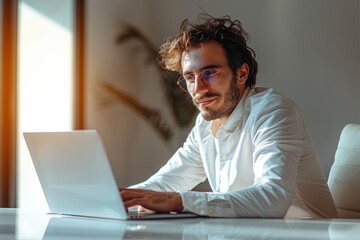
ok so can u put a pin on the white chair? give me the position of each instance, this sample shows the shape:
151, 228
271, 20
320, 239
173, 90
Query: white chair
344, 177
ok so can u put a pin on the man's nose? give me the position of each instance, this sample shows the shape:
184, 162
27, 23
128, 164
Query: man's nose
200, 85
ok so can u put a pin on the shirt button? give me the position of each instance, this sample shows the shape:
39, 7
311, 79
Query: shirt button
224, 157
211, 211
193, 207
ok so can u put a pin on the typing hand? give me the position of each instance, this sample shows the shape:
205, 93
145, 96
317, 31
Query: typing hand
164, 202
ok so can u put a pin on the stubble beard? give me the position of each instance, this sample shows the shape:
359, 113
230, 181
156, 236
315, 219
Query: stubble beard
231, 99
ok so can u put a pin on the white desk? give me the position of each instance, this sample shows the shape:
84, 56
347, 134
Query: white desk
17, 224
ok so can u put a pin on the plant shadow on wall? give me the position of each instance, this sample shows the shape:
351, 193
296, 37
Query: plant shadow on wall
180, 102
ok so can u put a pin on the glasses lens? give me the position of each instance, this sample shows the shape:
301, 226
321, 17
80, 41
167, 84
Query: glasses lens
209, 75
182, 84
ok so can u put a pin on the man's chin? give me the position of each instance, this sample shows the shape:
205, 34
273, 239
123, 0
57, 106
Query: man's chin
208, 116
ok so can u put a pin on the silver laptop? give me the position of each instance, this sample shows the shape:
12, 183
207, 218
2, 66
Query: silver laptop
76, 176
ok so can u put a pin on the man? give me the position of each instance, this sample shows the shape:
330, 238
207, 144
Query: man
250, 143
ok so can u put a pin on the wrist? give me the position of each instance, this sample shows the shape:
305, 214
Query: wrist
179, 207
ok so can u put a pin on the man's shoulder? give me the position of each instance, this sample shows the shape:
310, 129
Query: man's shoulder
261, 100
264, 93
264, 96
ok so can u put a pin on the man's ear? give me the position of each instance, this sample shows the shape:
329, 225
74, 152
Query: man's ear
242, 74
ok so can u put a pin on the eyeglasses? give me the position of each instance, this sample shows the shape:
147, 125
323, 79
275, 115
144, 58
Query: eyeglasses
209, 76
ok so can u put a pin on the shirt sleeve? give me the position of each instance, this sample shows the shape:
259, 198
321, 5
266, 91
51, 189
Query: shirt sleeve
277, 139
182, 172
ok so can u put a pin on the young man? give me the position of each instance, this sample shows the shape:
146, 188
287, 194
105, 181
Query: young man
250, 143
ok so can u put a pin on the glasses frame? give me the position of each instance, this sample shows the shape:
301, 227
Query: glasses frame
203, 78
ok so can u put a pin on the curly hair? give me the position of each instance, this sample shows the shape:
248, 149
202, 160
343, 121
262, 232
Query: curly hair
229, 34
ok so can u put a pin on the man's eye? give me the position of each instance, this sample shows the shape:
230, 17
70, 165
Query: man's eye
209, 73
189, 79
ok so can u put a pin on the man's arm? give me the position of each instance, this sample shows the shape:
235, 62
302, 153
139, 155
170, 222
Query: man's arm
182, 172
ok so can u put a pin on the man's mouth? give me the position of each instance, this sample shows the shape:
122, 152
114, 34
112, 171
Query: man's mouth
203, 102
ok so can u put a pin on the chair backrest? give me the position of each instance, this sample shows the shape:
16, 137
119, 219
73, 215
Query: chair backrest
344, 177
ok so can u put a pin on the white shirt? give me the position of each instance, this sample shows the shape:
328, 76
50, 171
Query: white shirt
262, 163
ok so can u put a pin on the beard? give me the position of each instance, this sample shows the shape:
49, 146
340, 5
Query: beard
230, 99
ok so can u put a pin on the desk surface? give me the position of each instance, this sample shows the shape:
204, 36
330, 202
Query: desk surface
20, 224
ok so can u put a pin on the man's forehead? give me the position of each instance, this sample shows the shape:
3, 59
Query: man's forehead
210, 53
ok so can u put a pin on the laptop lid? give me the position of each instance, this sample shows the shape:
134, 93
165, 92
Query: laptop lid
75, 173
76, 176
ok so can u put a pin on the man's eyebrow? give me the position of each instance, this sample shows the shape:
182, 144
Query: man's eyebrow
203, 68
210, 66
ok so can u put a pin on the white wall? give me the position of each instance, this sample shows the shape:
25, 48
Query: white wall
134, 148
307, 50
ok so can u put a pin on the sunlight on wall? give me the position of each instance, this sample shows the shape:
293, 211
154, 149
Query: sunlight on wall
45, 92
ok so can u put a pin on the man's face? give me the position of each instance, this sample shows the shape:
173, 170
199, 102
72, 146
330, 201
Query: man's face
215, 99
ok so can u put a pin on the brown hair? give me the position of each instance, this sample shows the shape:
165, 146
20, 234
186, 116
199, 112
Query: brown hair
229, 34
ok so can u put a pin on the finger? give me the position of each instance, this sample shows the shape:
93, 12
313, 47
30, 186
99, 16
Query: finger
132, 202
144, 200
128, 195
142, 209
136, 193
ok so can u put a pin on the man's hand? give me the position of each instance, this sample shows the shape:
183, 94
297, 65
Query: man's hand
157, 201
